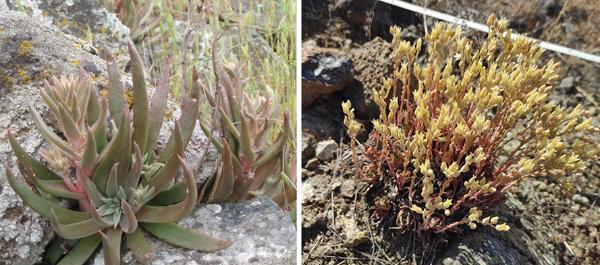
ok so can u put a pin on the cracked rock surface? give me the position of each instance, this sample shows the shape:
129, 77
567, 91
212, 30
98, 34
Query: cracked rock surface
261, 232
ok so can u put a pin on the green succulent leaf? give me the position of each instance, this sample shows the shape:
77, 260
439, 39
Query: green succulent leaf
185, 237
109, 155
41, 205
75, 230
57, 188
219, 146
224, 182
140, 96
116, 92
112, 185
174, 212
174, 194
82, 251
47, 132
88, 159
157, 109
92, 192
38, 169
187, 121
128, 222
99, 126
111, 242
140, 247
167, 173
136, 171
97, 216
246, 141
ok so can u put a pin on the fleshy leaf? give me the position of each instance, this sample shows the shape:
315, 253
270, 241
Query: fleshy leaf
116, 92
41, 205
89, 154
175, 212
82, 251
47, 133
39, 169
224, 182
174, 194
111, 243
171, 168
185, 237
158, 106
112, 187
187, 121
101, 221
140, 96
109, 155
75, 230
140, 247
128, 222
134, 174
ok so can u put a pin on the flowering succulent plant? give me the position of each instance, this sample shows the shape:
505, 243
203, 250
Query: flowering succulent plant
455, 133
252, 164
122, 185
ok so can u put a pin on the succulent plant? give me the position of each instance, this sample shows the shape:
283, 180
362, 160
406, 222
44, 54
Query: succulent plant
252, 165
455, 133
122, 184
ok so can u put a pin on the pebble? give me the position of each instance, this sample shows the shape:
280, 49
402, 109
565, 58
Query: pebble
579, 221
581, 199
325, 150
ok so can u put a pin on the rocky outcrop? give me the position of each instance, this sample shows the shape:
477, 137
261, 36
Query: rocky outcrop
85, 19
261, 232
29, 53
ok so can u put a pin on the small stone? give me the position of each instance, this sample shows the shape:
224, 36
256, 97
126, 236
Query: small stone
325, 150
579, 221
312, 164
308, 149
214, 208
347, 188
581, 199
567, 82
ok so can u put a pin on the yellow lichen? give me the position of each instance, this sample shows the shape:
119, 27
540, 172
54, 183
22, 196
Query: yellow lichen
23, 76
25, 48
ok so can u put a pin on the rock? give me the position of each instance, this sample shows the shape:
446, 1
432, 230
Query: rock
579, 221
325, 150
312, 164
354, 236
29, 53
261, 232
84, 19
567, 82
324, 72
581, 199
481, 248
3, 6
347, 188
308, 149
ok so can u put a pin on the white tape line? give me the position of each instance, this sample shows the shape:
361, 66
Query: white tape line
481, 27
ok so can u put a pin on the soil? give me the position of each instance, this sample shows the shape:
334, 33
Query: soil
338, 227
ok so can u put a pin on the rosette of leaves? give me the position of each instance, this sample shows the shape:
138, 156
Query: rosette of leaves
456, 132
253, 164
121, 184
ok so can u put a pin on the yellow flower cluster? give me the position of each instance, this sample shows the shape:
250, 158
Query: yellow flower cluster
441, 138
